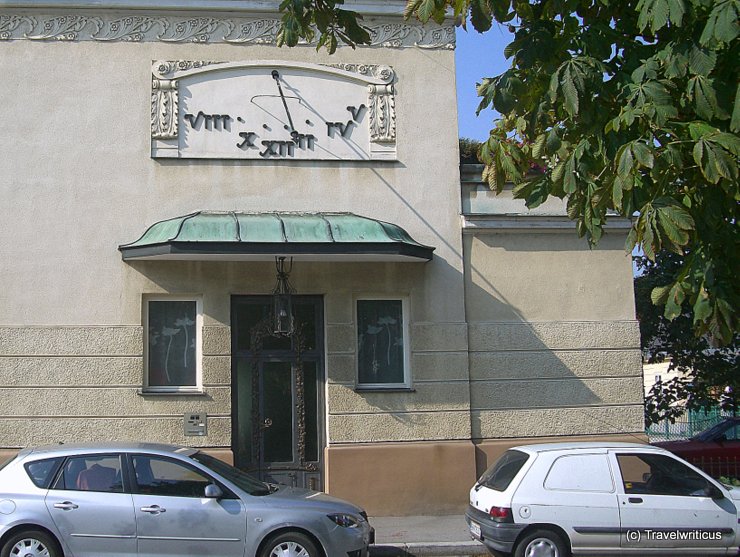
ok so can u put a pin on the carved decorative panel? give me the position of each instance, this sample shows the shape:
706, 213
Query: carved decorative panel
200, 29
272, 110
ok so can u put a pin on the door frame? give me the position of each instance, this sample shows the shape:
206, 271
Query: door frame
317, 354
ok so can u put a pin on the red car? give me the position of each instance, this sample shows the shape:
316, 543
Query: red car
715, 450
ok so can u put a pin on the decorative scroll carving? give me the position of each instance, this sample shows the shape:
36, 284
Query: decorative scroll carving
439, 37
132, 28
165, 69
63, 28
393, 35
136, 28
399, 35
259, 31
382, 111
194, 30
11, 25
164, 109
384, 73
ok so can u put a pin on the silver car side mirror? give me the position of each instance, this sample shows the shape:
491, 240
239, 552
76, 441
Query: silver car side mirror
213, 492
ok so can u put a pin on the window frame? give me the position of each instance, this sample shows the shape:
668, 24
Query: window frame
59, 474
182, 389
50, 480
406, 385
562, 460
643, 491
134, 489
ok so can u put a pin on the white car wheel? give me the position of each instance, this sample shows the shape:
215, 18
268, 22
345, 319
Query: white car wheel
290, 544
541, 547
541, 543
289, 549
31, 543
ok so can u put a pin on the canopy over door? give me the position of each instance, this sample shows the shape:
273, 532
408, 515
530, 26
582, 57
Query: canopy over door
241, 236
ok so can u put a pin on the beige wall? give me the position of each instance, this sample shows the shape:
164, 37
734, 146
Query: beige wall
77, 180
554, 348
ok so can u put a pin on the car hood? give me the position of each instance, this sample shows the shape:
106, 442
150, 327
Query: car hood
306, 498
734, 493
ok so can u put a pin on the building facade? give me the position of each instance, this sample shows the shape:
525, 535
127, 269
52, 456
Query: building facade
159, 158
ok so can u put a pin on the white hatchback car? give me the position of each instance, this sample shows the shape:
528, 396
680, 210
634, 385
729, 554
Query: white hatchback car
552, 500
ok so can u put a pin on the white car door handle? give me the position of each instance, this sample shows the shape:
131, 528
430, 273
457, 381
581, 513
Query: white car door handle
66, 506
154, 509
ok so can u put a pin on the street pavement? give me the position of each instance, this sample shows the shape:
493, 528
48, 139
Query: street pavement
423, 536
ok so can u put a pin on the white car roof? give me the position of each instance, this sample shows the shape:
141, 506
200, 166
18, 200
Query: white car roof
584, 446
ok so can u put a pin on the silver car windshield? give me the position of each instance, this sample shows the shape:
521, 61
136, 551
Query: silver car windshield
234, 475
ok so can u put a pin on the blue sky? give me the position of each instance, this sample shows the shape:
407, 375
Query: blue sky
477, 55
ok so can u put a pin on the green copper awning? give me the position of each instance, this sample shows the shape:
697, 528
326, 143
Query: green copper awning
238, 236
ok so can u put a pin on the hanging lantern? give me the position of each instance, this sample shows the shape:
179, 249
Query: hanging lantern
282, 303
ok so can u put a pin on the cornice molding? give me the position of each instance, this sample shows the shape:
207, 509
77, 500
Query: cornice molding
472, 224
389, 8
141, 27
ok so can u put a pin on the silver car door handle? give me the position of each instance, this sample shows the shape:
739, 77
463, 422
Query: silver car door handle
66, 506
154, 509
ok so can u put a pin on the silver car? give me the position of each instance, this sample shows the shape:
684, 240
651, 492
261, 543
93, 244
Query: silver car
148, 499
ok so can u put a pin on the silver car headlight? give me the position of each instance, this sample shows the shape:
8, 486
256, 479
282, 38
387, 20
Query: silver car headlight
344, 520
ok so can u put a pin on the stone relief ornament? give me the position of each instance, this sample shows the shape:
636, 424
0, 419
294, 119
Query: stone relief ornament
164, 108
384, 73
365, 107
436, 37
382, 111
166, 28
132, 28
194, 30
165, 69
13, 25
63, 28
260, 31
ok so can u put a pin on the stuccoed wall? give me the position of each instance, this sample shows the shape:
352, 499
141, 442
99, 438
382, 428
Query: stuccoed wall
554, 344
77, 180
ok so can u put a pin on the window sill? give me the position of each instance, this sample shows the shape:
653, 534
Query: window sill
381, 389
147, 392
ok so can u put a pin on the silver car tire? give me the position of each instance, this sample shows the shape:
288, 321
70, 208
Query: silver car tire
290, 544
31, 543
541, 543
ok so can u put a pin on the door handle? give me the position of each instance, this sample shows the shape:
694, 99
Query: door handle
66, 506
635, 499
154, 509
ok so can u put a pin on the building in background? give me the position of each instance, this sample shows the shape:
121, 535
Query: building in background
160, 158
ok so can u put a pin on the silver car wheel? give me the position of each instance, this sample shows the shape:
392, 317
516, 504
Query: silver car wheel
541, 547
29, 547
289, 549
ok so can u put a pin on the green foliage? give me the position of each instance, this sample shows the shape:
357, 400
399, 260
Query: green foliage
632, 107
302, 19
469, 150
705, 372
727, 480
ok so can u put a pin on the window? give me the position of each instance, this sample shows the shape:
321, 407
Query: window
162, 476
41, 472
382, 339
234, 475
172, 349
91, 473
502, 472
652, 474
593, 474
